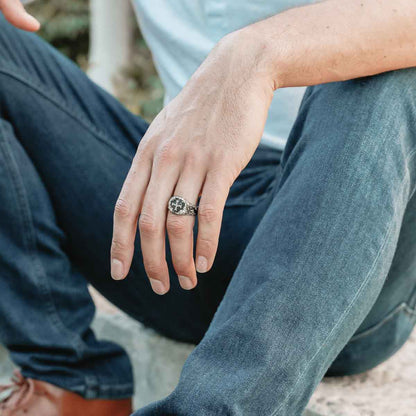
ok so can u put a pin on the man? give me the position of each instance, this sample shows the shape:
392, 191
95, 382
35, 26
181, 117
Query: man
308, 252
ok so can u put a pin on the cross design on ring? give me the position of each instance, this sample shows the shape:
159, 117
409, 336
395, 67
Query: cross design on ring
180, 206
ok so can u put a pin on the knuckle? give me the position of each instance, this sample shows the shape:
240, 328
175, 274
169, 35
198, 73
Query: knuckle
148, 225
118, 248
122, 208
143, 150
166, 153
181, 268
194, 159
153, 270
221, 177
177, 226
206, 245
208, 213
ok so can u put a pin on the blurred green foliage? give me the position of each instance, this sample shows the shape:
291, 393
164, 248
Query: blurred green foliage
65, 24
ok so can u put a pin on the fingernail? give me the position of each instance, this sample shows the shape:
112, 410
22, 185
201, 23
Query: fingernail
117, 272
201, 264
158, 287
186, 282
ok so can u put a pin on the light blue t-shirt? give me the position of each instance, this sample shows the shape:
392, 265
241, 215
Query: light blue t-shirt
181, 33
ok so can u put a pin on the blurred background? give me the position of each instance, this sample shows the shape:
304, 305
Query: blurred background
67, 26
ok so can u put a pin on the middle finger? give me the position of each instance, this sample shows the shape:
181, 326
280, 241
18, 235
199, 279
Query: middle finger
152, 222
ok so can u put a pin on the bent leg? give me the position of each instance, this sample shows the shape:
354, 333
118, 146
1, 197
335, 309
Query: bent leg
45, 306
318, 260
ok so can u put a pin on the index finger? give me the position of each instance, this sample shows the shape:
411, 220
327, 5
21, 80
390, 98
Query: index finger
126, 214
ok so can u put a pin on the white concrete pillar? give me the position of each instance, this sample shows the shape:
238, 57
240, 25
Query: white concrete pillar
111, 39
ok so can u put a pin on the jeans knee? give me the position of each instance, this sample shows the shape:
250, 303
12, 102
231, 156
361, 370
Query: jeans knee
396, 82
374, 114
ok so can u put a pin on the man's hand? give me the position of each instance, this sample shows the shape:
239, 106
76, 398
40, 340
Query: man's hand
16, 14
196, 146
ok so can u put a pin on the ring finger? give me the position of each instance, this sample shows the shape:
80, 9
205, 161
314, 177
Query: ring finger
180, 229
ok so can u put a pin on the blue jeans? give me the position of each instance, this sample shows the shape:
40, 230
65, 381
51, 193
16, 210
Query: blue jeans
315, 271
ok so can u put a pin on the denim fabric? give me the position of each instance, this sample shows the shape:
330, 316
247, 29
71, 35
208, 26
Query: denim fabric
315, 270
327, 281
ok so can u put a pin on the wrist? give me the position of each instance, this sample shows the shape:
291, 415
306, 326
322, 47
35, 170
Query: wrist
257, 55
248, 56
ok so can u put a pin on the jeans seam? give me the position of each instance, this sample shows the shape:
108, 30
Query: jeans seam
408, 159
409, 310
60, 103
403, 306
412, 299
91, 386
339, 322
30, 241
94, 389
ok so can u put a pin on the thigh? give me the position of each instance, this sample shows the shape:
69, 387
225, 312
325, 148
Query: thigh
81, 141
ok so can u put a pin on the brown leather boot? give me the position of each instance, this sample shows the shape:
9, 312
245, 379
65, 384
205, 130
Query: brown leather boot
30, 397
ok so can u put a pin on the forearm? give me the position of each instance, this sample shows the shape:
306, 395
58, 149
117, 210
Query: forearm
334, 40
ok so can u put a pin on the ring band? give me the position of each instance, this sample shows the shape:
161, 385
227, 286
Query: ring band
180, 206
